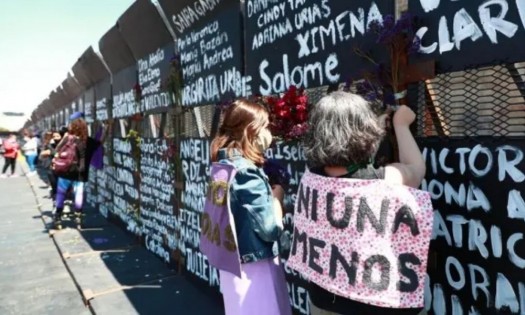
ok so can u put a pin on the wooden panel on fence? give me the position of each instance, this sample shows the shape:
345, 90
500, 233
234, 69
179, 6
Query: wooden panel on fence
62, 96
210, 45
152, 46
125, 101
454, 33
81, 74
291, 156
126, 207
71, 88
115, 50
105, 179
47, 107
153, 72
91, 66
59, 98
158, 211
91, 190
195, 165
477, 256
103, 99
309, 43
54, 100
89, 105
143, 29
191, 14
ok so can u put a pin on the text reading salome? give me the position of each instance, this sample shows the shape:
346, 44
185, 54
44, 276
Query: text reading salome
301, 75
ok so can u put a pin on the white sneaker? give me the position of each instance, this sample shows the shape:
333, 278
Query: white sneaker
33, 173
14, 175
4, 176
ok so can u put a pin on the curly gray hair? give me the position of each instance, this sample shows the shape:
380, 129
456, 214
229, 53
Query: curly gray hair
343, 130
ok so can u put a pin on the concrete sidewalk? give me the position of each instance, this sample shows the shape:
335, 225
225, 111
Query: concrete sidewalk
97, 270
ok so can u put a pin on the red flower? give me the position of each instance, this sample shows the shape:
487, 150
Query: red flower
289, 113
301, 116
302, 99
283, 113
300, 107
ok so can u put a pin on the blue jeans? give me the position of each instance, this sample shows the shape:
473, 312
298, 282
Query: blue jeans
31, 159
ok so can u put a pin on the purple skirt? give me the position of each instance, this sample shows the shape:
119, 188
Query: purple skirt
260, 291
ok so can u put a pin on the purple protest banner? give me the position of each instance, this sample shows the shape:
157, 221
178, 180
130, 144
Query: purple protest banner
97, 160
218, 239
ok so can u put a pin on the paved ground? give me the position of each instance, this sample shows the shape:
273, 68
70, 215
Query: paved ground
98, 270
33, 279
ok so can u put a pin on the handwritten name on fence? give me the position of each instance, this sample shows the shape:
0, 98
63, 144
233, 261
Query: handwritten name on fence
308, 43
125, 190
478, 226
125, 98
195, 162
211, 57
153, 72
452, 32
157, 197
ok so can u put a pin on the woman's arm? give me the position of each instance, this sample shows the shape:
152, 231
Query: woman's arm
411, 169
252, 193
278, 197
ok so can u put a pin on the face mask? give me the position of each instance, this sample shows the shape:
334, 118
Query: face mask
264, 139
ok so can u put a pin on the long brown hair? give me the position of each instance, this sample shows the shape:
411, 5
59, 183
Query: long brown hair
243, 121
78, 127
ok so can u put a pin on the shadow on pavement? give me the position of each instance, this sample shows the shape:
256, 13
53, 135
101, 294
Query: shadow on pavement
114, 272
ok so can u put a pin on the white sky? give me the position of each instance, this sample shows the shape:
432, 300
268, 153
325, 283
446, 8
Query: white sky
40, 40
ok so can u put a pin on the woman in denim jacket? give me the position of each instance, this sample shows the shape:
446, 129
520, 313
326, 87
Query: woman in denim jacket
256, 207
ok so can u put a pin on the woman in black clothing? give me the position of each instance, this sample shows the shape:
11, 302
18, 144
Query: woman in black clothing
343, 138
46, 156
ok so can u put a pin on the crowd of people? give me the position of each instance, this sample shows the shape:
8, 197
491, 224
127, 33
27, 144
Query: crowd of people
343, 138
63, 156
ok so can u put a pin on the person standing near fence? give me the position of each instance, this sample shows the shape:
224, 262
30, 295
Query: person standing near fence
11, 148
47, 154
71, 166
343, 138
30, 149
254, 282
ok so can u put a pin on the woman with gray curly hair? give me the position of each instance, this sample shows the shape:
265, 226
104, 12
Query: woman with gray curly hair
343, 138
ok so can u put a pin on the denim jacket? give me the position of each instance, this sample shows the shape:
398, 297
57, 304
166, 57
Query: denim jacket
251, 203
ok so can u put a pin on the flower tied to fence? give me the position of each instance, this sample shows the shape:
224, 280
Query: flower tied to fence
134, 139
137, 92
385, 87
175, 81
386, 84
288, 114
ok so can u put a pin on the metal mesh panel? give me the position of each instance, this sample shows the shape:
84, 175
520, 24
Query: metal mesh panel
486, 101
207, 117
169, 128
315, 94
190, 126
